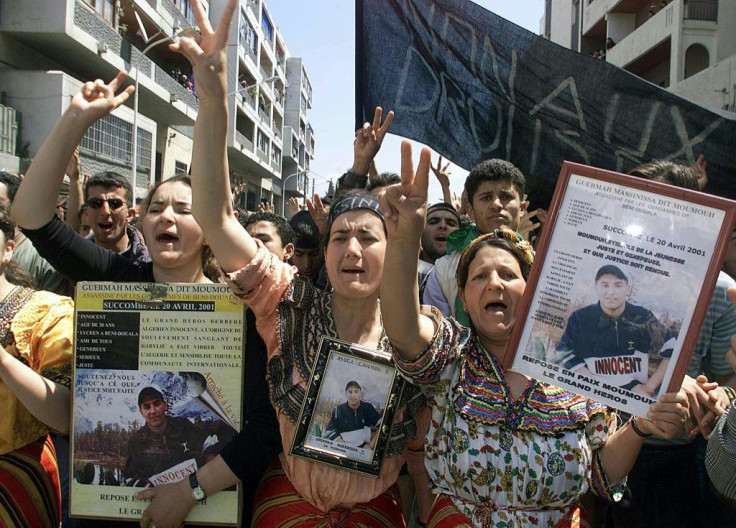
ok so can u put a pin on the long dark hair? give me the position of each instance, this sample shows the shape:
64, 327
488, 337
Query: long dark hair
12, 271
209, 265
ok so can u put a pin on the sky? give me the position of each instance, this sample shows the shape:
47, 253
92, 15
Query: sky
322, 32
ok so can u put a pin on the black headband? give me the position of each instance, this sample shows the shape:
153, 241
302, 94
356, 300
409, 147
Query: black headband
352, 203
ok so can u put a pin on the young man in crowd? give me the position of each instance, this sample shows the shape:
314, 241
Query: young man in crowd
107, 196
495, 191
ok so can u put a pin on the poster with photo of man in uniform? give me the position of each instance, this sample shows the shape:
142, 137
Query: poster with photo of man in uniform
619, 287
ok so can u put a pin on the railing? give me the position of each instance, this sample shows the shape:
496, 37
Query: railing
252, 54
167, 81
248, 99
245, 143
701, 10
262, 155
8, 130
264, 116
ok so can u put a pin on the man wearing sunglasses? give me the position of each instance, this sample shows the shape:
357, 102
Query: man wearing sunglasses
109, 211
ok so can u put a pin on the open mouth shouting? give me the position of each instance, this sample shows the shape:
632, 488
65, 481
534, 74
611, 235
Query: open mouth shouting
167, 238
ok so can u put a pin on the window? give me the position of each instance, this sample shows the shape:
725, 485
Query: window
180, 167
145, 140
276, 155
185, 8
262, 142
112, 137
267, 27
248, 37
106, 8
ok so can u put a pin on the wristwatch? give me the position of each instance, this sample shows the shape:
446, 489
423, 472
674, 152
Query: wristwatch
198, 493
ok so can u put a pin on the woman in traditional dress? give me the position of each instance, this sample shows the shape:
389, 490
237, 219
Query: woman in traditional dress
292, 315
503, 449
35, 367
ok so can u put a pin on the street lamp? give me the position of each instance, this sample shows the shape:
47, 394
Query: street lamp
142, 31
283, 187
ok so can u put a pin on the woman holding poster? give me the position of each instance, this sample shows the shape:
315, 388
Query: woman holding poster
503, 449
35, 369
292, 315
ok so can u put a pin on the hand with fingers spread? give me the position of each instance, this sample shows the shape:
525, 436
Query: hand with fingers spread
441, 173
319, 213
206, 52
699, 170
405, 205
97, 99
528, 225
265, 207
368, 141
294, 206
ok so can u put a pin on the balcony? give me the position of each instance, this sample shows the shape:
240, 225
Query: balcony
245, 143
264, 116
276, 165
701, 10
248, 99
173, 87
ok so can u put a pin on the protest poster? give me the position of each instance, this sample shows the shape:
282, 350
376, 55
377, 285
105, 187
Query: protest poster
619, 287
157, 392
349, 409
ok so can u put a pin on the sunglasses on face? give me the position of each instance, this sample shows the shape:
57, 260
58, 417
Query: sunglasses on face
114, 203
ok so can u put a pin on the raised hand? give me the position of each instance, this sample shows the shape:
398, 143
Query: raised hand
405, 204
206, 52
319, 213
96, 99
294, 206
441, 173
368, 141
699, 170
265, 207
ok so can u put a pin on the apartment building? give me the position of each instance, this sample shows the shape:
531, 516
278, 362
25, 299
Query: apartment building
264, 151
48, 48
686, 46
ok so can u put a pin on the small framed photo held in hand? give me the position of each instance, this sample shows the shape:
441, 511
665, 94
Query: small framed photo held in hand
619, 288
347, 415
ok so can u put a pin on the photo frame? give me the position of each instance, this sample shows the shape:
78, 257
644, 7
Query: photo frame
332, 428
621, 281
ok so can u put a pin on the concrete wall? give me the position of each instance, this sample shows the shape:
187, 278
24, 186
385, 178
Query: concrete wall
713, 87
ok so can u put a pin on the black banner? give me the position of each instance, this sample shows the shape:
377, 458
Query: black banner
474, 86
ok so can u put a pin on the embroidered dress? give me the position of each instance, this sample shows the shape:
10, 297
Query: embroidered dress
292, 316
36, 328
505, 463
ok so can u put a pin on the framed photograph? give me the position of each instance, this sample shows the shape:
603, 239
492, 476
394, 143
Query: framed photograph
156, 393
621, 281
349, 409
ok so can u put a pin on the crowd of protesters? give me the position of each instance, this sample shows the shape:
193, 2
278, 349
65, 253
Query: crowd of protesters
435, 286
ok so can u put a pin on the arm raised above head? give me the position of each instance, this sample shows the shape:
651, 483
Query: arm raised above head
35, 202
211, 198
405, 207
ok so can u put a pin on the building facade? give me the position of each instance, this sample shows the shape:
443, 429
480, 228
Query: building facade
686, 46
261, 144
48, 48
